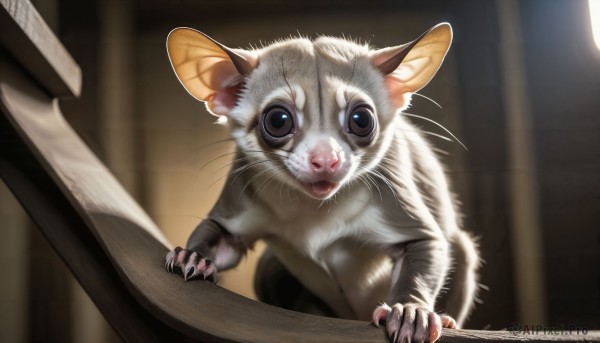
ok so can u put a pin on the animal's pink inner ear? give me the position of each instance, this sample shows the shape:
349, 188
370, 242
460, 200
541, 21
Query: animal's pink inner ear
223, 101
395, 91
208, 70
409, 67
389, 62
224, 81
398, 82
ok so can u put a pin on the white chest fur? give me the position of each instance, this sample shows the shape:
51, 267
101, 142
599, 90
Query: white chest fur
336, 249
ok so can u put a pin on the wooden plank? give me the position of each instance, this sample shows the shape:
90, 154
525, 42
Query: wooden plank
123, 236
25, 35
69, 235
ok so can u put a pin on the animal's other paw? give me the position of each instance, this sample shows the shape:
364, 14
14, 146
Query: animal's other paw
411, 323
190, 264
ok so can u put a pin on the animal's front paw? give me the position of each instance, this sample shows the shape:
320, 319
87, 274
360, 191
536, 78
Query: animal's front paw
411, 322
191, 264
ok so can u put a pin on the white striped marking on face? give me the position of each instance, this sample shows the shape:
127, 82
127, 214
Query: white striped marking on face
294, 94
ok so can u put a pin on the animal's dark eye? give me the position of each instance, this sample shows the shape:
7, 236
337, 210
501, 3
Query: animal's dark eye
278, 122
361, 121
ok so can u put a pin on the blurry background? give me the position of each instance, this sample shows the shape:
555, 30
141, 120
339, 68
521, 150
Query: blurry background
520, 87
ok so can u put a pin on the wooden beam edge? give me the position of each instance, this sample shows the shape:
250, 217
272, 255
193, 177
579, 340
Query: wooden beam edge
25, 34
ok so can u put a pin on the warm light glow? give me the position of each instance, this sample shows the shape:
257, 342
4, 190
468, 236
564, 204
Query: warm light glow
595, 20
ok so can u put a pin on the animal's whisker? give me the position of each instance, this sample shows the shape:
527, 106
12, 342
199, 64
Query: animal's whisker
428, 133
436, 123
366, 178
257, 175
245, 167
239, 159
236, 152
263, 152
221, 141
238, 171
387, 182
235, 161
428, 98
421, 146
199, 151
215, 159
279, 170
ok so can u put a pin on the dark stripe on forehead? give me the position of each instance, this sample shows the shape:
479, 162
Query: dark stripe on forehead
319, 92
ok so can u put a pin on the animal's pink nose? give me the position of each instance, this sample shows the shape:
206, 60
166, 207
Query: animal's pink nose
324, 161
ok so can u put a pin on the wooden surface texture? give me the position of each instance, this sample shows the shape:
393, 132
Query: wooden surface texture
27, 37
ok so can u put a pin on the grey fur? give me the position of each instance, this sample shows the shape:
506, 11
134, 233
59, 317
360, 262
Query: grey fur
391, 231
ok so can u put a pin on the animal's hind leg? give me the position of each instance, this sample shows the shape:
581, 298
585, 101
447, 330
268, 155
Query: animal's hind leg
463, 284
275, 285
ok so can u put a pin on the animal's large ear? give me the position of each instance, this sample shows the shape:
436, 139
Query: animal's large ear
208, 70
409, 67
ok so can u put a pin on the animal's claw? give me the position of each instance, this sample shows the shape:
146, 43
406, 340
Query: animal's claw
411, 322
190, 264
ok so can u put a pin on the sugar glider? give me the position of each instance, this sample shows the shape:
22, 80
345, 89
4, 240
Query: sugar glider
347, 193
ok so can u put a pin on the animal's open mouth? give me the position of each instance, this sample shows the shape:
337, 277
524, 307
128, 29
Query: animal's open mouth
321, 188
